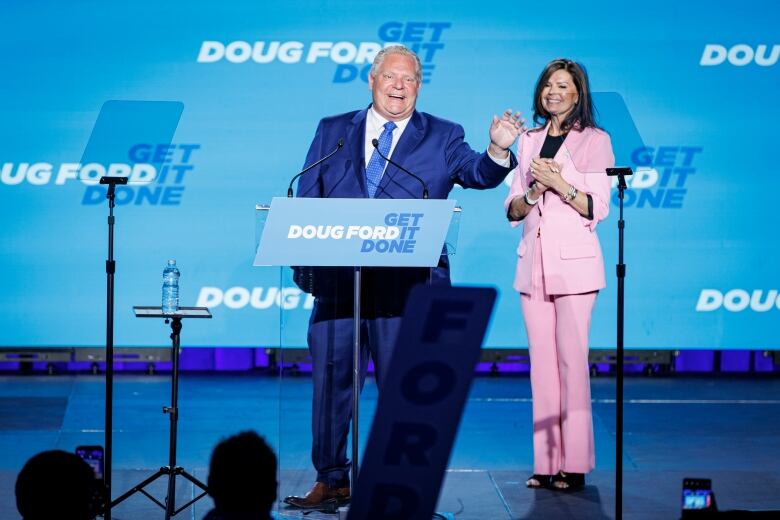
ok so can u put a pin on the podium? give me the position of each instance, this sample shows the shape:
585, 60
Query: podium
353, 234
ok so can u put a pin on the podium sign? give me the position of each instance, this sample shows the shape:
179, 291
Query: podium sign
356, 232
421, 402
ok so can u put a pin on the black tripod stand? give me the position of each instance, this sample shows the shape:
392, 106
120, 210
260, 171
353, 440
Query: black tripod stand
171, 470
621, 174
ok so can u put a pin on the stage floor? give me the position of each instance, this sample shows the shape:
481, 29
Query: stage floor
726, 429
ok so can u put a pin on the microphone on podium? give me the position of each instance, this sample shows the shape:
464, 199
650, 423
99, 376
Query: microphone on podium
339, 145
375, 144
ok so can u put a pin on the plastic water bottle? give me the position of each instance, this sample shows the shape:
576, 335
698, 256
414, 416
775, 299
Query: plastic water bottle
170, 288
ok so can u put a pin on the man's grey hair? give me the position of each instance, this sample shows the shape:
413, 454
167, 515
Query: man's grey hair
396, 49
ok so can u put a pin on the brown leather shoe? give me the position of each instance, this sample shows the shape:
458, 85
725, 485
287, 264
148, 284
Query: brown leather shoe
321, 496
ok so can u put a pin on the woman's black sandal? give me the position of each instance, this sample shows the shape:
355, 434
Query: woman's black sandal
543, 480
570, 481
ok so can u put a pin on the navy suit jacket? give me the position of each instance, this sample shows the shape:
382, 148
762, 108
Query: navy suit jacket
430, 147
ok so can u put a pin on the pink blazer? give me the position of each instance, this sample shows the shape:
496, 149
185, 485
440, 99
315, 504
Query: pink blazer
571, 254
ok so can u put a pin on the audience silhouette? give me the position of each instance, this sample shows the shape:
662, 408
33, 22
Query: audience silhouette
242, 478
242, 482
57, 484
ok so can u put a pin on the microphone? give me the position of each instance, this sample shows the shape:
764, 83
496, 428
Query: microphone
339, 145
375, 144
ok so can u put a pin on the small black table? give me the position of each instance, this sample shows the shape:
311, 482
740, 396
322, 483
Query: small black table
171, 470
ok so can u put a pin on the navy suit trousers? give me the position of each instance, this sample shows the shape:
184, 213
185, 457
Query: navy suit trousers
331, 346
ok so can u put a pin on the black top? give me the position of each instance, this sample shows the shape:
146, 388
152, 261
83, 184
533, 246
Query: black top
552, 143
550, 147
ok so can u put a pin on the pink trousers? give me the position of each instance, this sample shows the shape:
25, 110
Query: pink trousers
558, 327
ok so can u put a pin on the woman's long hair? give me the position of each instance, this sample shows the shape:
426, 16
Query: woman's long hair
582, 114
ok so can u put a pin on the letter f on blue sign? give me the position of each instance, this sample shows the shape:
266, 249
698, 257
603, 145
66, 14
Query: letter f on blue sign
448, 317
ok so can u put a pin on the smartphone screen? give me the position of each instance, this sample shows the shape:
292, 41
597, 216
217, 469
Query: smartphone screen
93, 455
696, 494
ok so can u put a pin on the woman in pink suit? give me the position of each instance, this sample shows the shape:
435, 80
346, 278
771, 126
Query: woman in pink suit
560, 192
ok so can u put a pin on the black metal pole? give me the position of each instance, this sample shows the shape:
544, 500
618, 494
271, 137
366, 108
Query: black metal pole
110, 270
355, 378
111, 183
173, 412
621, 274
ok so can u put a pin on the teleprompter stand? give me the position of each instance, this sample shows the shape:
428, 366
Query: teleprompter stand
112, 183
620, 271
120, 126
171, 470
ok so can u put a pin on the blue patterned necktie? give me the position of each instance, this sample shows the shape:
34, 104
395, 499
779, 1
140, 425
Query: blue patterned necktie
376, 166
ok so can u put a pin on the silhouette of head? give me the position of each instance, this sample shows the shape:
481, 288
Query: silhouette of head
57, 484
242, 475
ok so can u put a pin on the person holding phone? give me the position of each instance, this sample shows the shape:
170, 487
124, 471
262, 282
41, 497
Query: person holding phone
560, 191
58, 484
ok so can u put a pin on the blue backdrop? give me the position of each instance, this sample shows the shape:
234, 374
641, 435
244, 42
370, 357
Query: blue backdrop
698, 83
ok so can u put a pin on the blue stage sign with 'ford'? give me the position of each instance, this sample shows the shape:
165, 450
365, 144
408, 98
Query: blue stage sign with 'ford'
354, 232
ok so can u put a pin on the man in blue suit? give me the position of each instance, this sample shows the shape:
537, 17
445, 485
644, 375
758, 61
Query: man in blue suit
433, 149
